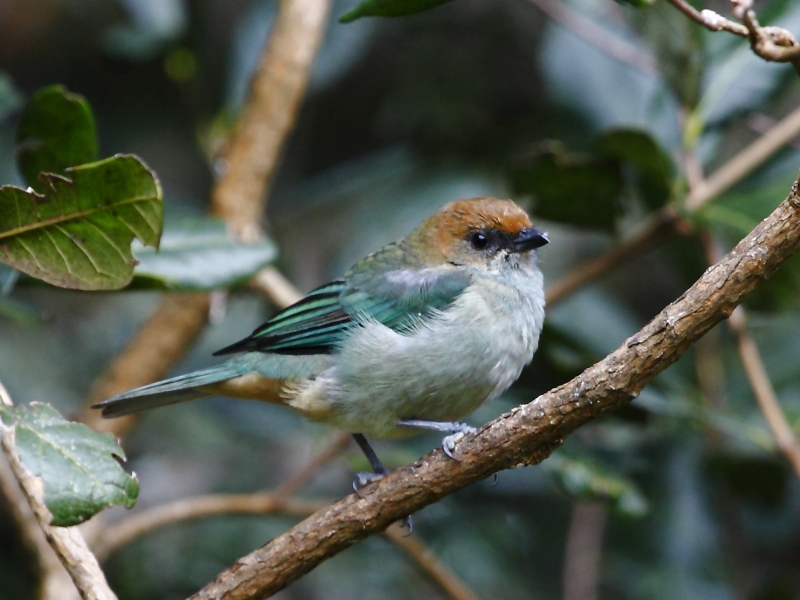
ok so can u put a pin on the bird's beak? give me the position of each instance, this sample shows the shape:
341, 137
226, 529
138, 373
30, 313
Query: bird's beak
529, 238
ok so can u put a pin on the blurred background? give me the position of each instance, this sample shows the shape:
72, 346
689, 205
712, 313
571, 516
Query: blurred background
681, 495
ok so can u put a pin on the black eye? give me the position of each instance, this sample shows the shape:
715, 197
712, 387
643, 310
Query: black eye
479, 240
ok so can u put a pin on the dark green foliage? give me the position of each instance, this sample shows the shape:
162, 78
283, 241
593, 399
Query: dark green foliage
56, 131
79, 468
569, 188
388, 8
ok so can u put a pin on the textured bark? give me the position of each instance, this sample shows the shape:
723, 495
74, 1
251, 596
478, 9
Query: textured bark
529, 433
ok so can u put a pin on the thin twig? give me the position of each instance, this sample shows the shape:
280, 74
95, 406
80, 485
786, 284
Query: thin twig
584, 550
67, 542
529, 433
426, 560
745, 162
53, 581
5, 398
271, 284
661, 223
238, 195
198, 507
658, 227
338, 445
597, 36
763, 390
709, 19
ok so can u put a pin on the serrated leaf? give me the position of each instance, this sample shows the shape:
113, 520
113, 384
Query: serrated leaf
78, 467
652, 167
388, 8
56, 131
200, 254
77, 234
570, 188
585, 480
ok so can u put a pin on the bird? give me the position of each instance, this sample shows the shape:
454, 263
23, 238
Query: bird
413, 337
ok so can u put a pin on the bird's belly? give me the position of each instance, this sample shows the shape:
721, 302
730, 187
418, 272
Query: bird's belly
440, 372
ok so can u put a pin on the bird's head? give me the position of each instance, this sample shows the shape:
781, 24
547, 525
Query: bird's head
482, 232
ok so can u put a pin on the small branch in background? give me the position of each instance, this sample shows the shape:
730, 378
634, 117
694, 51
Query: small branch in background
160, 343
667, 220
709, 19
238, 196
763, 389
338, 445
587, 29
757, 375
53, 581
67, 542
774, 44
584, 550
761, 124
5, 398
198, 507
427, 561
745, 162
251, 158
660, 226
278, 290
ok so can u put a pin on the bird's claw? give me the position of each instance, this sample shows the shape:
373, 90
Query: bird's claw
408, 523
449, 443
364, 479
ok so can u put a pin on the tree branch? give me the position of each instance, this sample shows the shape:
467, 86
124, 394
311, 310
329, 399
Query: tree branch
238, 197
529, 433
67, 542
763, 390
774, 44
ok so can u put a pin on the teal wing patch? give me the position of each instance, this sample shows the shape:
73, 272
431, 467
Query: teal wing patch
398, 299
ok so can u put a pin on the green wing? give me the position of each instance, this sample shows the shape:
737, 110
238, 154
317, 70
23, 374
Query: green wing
397, 298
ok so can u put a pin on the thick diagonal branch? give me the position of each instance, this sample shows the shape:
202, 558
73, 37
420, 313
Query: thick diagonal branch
529, 433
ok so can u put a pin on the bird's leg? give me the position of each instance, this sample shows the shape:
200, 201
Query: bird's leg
380, 471
362, 479
456, 430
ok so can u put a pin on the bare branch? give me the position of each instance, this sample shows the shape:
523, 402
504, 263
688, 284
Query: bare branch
597, 36
763, 390
745, 162
198, 507
238, 196
584, 550
67, 542
426, 560
774, 44
529, 433
709, 19
665, 222
660, 226
276, 91
271, 284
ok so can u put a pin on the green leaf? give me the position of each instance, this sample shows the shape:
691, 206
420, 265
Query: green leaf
570, 188
651, 166
77, 234
585, 480
56, 131
389, 8
78, 467
200, 254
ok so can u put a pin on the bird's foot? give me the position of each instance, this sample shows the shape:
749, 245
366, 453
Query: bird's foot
363, 479
449, 443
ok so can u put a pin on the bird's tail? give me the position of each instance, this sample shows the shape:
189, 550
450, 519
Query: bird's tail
170, 391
